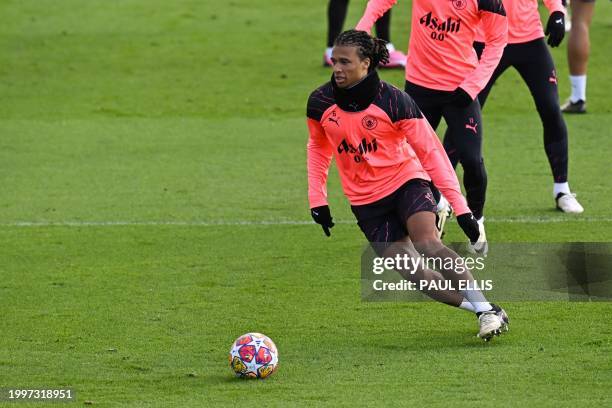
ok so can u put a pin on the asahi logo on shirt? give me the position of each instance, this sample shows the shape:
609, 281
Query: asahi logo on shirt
359, 150
440, 27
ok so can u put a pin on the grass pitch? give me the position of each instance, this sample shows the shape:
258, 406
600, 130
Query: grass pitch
152, 166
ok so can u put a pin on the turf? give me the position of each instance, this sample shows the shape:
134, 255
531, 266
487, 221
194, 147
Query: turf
152, 164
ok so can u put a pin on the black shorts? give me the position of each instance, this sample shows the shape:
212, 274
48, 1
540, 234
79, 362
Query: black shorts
385, 220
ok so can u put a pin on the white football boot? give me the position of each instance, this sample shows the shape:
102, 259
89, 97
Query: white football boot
568, 203
490, 325
443, 212
481, 246
503, 316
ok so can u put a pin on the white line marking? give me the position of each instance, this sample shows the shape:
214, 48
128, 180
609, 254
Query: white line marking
214, 223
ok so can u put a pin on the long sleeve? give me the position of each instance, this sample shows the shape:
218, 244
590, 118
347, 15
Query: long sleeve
494, 25
434, 160
374, 10
554, 5
319, 156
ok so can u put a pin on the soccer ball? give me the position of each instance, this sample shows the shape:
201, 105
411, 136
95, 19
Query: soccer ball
253, 355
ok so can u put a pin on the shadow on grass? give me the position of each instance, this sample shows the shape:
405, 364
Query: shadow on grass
229, 379
436, 341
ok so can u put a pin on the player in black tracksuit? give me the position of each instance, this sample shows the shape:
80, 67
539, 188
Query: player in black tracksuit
533, 61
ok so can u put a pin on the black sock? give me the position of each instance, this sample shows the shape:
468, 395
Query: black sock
475, 183
555, 145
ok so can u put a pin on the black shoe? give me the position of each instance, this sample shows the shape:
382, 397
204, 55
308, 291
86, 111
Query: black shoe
574, 107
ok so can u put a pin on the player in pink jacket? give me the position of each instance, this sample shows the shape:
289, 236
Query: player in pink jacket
527, 53
387, 154
444, 75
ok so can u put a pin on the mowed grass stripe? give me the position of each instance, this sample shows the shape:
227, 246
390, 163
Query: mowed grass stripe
231, 223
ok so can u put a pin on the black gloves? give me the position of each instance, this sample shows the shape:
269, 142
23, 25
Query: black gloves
460, 98
555, 28
475, 232
322, 216
469, 225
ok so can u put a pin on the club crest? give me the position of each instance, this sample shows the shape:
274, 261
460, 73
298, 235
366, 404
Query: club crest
459, 4
369, 122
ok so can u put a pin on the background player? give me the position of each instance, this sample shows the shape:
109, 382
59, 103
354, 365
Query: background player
336, 14
386, 153
444, 75
578, 49
527, 53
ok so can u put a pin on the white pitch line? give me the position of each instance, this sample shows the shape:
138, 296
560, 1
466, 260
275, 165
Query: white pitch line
214, 223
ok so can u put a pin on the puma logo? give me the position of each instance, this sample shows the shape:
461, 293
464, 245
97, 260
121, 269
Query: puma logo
472, 127
336, 121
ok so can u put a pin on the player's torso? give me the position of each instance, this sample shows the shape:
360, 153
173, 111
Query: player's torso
443, 24
523, 20
441, 39
363, 140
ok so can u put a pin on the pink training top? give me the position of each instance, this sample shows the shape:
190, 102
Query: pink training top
524, 19
377, 149
441, 54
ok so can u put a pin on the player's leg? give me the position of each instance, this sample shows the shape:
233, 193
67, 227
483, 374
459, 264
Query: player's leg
538, 71
397, 59
387, 234
383, 26
430, 103
492, 319
336, 14
504, 63
578, 49
465, 131
449, 145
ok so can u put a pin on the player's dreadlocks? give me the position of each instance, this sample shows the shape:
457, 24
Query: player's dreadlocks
367, 47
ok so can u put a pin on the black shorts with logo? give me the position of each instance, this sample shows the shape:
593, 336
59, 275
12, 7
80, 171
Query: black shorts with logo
385, 220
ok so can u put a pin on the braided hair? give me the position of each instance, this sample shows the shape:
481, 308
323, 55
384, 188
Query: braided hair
367, 46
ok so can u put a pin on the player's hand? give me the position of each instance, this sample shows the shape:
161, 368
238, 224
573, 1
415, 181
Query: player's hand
469, 225
460, 98
478, 240
322, 216
555, 28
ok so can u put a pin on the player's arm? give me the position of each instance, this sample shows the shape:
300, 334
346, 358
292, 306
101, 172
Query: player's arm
495, 27
374, 10
319, 155
555, 27
433, 158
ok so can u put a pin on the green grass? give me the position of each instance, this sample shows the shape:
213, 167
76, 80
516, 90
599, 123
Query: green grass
128, 129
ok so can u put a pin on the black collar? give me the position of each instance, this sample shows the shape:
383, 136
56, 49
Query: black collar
359, 96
